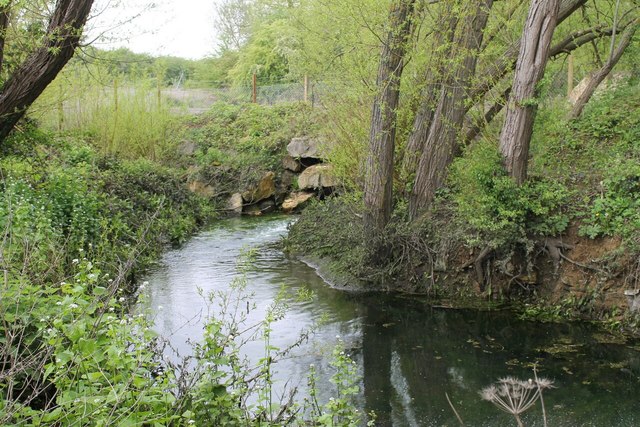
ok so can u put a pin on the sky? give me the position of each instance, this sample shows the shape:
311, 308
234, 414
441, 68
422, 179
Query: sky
184, 28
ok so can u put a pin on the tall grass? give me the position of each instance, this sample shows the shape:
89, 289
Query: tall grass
128, 117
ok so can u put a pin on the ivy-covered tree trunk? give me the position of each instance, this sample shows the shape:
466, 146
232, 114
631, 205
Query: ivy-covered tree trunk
378, 186
442, 142
32, 77
521, 108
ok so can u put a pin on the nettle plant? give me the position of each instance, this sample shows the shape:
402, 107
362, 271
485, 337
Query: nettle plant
76, 356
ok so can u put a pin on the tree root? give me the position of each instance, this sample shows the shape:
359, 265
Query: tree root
477, 265
554, 248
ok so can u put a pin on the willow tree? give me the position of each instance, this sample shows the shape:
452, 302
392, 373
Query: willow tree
441, 141
599, 75
378, 188
444, 147
51, 53
530, 66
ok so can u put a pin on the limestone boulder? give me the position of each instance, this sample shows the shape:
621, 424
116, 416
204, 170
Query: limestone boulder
296, 201
291, 164
317, 177
265, 189
305, 147
235, 203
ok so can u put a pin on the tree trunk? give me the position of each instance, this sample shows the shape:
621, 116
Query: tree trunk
40, 68
441, 145
4, 23
429, 96
602, 73
506, 63
521, 109
566, 46
378, 188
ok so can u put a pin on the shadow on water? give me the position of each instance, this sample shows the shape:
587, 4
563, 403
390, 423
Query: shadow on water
409, 354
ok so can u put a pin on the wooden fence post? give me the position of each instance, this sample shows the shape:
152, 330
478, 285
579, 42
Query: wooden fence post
255, 88
570, 76
60, 109
306, 88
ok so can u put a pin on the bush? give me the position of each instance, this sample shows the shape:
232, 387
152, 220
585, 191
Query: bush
616, 210
498, 211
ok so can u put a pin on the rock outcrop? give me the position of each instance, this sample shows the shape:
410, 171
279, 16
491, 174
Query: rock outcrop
291, 164
296, 201
302, 168
235, 203
317, 177
265, 189
305, 147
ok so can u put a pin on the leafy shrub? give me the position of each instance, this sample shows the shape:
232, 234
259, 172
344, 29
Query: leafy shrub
496, 209
237, 144
333, 230
616, 210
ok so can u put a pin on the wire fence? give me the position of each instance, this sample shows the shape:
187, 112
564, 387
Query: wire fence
199, 100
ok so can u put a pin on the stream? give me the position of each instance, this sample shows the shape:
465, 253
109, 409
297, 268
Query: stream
407, 353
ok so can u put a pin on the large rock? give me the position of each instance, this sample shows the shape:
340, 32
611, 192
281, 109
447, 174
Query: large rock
266, 188
291, 164
296, 201
235, 204
317, 177
305, 147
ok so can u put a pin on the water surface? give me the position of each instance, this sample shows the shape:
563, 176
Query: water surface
408, 354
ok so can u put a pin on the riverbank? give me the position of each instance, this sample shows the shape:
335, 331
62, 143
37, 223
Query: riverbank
564, 246
81, 223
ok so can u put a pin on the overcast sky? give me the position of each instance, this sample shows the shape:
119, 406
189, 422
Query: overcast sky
184, 28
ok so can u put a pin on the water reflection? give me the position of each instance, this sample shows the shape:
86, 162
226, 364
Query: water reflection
408, 354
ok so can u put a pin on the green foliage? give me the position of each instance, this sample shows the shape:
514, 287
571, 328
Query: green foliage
598, 156
340, 410
237, 144
496, 209
80, 201
570, 307
95, 358
343, 246
266, 54
616, 211
128, 117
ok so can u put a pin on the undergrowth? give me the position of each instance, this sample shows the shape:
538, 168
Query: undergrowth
77, 226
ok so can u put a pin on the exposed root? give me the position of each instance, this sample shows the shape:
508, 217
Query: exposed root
478, 266
554, 248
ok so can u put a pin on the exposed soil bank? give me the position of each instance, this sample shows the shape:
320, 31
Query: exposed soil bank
568, 277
